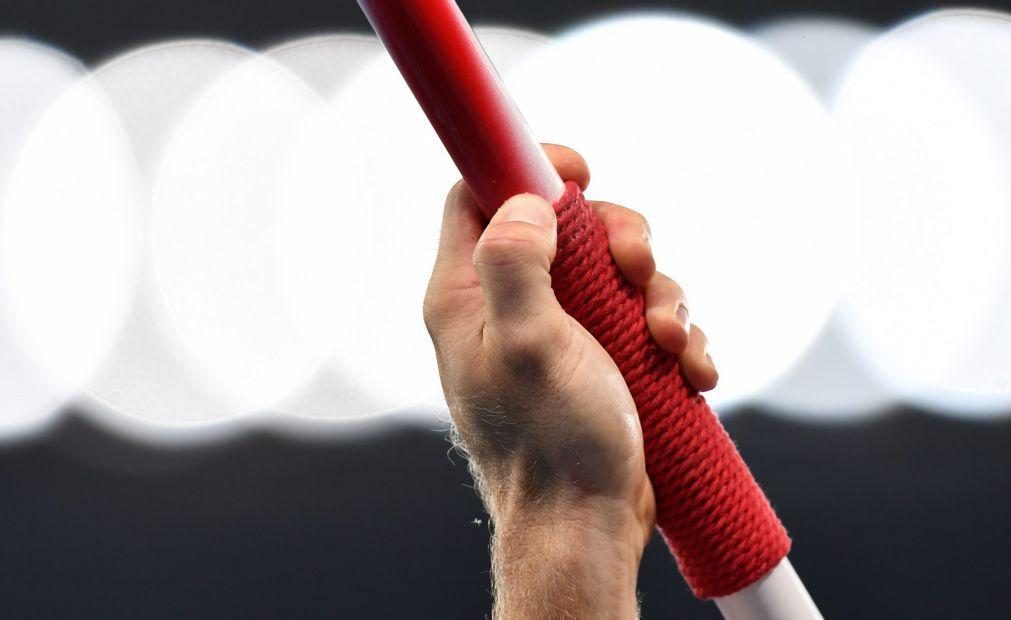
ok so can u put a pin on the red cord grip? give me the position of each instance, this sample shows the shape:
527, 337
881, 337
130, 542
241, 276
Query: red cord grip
710, 510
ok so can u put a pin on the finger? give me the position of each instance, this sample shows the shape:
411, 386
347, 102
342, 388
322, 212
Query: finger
628, 237
463, 221
667, 314
513, 258
454, 287
696, 363
462, 224
570, 165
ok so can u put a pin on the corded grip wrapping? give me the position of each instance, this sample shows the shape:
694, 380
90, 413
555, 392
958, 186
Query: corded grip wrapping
710, 510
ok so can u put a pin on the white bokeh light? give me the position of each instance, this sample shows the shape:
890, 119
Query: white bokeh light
732, 158
820, 48
327, 62
830, 382
32, 77
926, 116
375, 157
292, 205
69, 256
147, 376
320, 233
214, 237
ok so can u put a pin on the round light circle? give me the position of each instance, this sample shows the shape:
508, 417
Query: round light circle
32, 78
930, 137
730, 156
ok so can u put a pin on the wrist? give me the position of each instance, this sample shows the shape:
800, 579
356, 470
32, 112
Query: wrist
625, 514
570, 559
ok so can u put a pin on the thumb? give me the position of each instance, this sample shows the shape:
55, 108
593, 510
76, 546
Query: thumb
513, 259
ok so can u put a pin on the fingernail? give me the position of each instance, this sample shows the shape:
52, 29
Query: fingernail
528, 208
682, 316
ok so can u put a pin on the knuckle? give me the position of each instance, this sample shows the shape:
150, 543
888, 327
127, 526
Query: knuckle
457, 192
699, 335
669, 287
634, 218
441, 306
644, 223
432, 309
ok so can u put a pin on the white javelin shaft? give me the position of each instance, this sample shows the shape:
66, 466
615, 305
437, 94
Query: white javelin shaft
780, 595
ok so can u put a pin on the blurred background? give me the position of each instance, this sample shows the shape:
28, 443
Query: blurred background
216, 223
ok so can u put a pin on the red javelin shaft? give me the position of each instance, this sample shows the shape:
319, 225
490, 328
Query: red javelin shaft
450, 75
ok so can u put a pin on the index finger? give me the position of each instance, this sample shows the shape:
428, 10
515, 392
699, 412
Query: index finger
570, 165
463, 221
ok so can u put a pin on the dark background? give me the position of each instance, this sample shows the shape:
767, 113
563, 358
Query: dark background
94, 29
903, 516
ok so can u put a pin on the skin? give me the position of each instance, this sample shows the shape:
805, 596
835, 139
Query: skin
547, 421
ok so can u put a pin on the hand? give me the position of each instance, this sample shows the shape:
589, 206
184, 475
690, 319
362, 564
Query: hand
547, 420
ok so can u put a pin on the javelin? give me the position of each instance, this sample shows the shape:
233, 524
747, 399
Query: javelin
728, 542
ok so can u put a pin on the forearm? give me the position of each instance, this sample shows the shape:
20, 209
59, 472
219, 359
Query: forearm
566, 563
